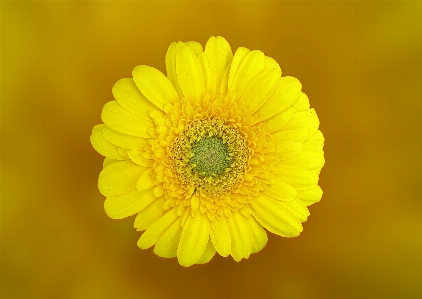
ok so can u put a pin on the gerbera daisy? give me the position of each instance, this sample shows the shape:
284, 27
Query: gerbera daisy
210, 156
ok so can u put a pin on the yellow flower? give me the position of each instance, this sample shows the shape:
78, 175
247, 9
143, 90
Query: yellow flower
210, 155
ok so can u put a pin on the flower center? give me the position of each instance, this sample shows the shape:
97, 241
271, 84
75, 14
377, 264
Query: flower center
204, 156
210, 156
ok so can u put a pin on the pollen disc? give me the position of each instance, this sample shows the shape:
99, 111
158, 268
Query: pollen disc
210, 156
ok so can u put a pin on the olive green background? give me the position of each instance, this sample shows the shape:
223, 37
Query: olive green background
360, 64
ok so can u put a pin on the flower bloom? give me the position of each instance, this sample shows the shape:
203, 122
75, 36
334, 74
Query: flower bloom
210, 156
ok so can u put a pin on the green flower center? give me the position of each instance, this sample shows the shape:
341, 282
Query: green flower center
210, 156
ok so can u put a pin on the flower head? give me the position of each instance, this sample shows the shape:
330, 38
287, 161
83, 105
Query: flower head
211, 155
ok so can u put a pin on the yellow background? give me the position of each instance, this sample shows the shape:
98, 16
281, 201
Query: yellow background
360, 64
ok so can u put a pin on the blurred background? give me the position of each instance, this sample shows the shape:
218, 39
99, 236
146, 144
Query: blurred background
360, 64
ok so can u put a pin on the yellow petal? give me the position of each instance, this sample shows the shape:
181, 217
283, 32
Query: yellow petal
302, 119
195, 47
171, 61
119, 178
288, 149
150, 214
154, 85
238, 58
101, 145
223, 89
108, 161
195, 200
308, 159
277, 122
298, 209
208, 254
314, 142
275, 217
159, 190
302, 103
145, 181
240, 236
138, 158
194, 240
209, 73
121, 120
280, 190
220, 54
270, 63
302, 125
299, 178
292, 135
310, 196
123, 153
252, 66
125, 141
157, 229
167, 244
258, 235
260, 89
129, 97
284, 95
317, 171
122, 206
189, 75
171, 66
220, 237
